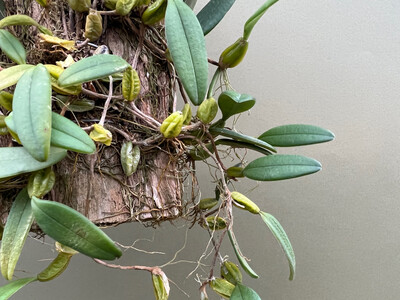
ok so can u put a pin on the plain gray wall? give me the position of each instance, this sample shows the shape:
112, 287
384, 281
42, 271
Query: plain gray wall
331, 63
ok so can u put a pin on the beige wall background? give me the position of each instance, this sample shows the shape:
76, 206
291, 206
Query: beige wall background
331, 63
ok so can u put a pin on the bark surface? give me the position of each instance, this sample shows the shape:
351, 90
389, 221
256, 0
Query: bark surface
95, 184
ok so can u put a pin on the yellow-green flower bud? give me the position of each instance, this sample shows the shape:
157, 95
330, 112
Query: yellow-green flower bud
215, 223
100, 134
207, 110
207, 203
234, 54
41, 182
94, 26
155, 12
222, 287
231, 272
172, 126
245, 203
235, 172
187, 114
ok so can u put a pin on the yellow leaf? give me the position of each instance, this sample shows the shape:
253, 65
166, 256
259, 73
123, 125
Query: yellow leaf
66, 63
100, 134
67, 44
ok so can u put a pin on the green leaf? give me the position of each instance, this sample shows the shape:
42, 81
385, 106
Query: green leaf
56, 267
32, 111
80, 105
12, 47
6, 291
91, 68
17, 227
11, 75
66, 134
23, 20
232, 103
213, 13
278, 167
74, 230
242, 292
16, 160
241, 258
187, 47
191, 3
296, 135
237, 144
280, 235
252, 21
241, 137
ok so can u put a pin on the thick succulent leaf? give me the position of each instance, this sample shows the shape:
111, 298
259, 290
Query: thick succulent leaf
241, 258
12, 47
56, 267
213, 13
296, 135
66, 134
280, 235
74, 230
6, 291
232, 103
17, 227
23, 20
32, 111
242, 292
80, 105
11, 75
191, 3
252, 21
279, 167
16, 160
91, 68
241, 137
187, 47
237, 144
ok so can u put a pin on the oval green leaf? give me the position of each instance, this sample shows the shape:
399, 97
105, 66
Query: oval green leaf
66, 134
72, 229
91, 68
32, 111
283, 240
16, 160
242, 260
11, 75
241, 137
187, 47
12, 47
242, 292
17, 227
252, 21
213, 13
279, 167
23, 20
232, 103
14, 286
296, 135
